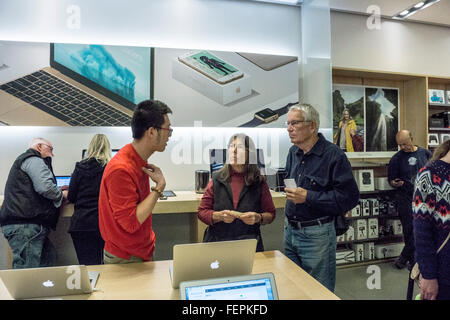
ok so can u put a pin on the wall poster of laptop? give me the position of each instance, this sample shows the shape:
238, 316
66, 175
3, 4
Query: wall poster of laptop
56, 84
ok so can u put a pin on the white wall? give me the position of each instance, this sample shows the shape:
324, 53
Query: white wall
188, 24
397, 47
186, 151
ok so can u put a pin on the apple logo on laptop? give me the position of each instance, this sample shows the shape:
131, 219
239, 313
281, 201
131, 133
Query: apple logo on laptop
215, 265
48, 284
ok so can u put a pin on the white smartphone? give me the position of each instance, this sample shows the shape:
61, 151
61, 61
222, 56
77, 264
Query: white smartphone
290, 183
211, 66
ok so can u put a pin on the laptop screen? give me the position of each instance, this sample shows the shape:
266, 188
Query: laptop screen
258, 289
121, 73
217, 158
62, 181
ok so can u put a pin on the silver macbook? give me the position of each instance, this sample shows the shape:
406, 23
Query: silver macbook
247, 287
49, 282
85, 85
196, 261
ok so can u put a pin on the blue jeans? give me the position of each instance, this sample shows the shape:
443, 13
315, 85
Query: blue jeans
30, 245
314, 250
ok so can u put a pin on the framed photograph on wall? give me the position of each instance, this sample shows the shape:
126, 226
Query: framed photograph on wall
433, 139
444, 137
381, 119
348, 117
436, 96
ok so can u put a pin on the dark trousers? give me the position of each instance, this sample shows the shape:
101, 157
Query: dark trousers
404, 209
88, 246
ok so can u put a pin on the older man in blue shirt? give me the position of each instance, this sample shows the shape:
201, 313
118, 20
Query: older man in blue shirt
325, 189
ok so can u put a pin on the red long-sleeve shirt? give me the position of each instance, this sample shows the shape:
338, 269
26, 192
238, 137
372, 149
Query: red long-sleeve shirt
124, 185
205, 210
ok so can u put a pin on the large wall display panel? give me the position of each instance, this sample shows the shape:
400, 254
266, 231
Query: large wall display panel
369, 116
100, 85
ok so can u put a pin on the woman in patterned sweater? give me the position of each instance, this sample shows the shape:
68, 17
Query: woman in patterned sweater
432, 224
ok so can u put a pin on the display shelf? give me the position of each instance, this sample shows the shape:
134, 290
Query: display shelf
379, 240
439, 129
365, 262
375, 192
439, 105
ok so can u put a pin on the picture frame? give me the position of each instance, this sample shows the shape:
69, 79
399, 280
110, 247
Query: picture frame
444, 137
433, 139
436, 96
375, 111
447, 97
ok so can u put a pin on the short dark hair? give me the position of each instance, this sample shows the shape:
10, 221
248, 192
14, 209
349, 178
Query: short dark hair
148, 113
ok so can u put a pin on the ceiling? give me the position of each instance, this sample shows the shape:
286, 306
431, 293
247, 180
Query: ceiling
438, 13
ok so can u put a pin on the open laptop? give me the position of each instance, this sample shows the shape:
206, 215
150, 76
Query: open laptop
62, 181
49, 282
196, 261
218, 157
85, 85
247, 287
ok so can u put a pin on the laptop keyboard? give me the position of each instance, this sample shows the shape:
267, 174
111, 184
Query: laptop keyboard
64, 101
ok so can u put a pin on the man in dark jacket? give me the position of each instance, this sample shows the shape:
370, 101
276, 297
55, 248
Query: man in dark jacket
325, 189
30, 208
402, 170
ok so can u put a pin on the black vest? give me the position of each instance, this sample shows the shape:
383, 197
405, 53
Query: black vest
22, 204
249, 200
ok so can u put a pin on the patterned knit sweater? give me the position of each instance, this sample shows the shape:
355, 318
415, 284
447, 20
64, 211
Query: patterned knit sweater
431, 209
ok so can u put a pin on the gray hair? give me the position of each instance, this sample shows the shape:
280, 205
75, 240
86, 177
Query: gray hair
309, 112
36, 141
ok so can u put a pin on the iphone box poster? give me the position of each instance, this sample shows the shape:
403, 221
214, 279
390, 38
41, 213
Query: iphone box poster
222, 93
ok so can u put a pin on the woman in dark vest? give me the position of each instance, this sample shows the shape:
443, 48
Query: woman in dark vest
237, 200
84, 191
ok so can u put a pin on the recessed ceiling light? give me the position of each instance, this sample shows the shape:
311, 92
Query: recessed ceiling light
411, 10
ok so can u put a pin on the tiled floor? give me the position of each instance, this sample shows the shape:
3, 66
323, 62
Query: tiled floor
352, 282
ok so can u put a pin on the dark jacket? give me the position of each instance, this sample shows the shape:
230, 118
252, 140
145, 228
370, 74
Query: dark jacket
22, 204
249, 200
327, 175
84, 191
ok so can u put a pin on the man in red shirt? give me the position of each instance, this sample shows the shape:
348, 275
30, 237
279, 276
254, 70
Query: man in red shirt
126, 200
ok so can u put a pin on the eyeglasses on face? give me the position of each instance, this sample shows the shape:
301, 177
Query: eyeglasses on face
51, 148
167, 129
295, 122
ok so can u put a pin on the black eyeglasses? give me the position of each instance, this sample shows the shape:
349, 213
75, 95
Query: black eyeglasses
295, 122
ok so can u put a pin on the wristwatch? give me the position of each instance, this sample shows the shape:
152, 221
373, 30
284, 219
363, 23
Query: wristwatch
267, 115
160, 194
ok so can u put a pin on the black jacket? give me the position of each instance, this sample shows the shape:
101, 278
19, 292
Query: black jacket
249, 200
22, 204
84, 190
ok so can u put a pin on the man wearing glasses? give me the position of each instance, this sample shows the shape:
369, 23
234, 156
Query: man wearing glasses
126, 200
325, 189
30, 208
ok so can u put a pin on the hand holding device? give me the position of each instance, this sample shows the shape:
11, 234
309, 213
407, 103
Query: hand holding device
250, 218
396, 183
290, 183
228, 216
297, 195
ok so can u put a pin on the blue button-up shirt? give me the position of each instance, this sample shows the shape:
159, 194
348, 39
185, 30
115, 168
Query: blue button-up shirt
326, 174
